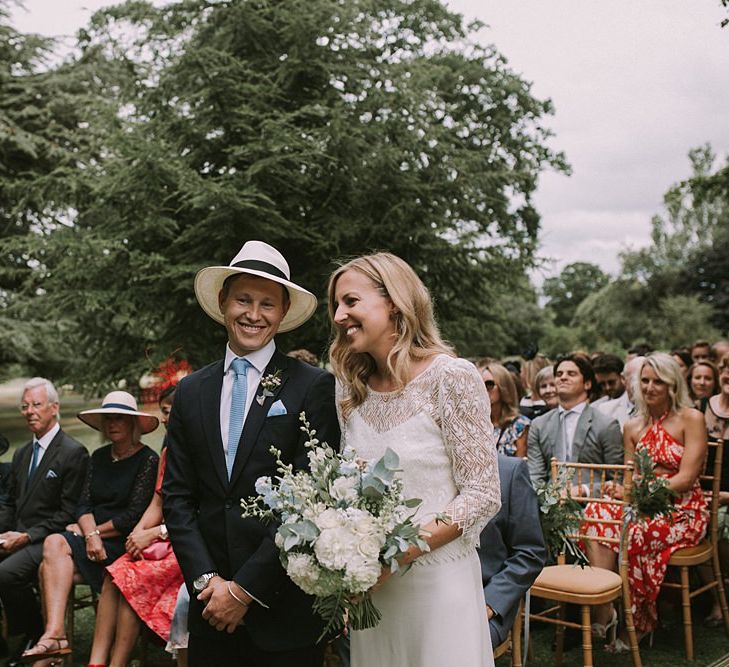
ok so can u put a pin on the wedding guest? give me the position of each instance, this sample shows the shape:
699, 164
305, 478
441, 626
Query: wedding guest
576, 431
512, 552
141, 586
400, 386
545, 389
718, 350
43, 487
703, 382
701, 351
244, 610
623, 407
674, 434
608, 372
304, 355
510, 427
717, 426
682, 356
529, 370
118, 487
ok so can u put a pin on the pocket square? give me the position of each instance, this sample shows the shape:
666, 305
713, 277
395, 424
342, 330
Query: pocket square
278, 408
51, 474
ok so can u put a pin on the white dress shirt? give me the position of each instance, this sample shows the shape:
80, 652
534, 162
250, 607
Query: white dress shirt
43, 441
258, 360
569, 419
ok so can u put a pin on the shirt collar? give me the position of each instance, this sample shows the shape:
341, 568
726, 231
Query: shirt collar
577, 409
259, 359
46, 440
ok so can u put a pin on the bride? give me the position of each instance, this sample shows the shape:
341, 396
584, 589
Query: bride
400, 386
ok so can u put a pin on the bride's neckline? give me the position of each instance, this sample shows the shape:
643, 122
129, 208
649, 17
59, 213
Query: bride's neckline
423, 373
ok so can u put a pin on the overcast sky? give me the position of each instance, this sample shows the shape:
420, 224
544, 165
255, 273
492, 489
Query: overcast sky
635, 85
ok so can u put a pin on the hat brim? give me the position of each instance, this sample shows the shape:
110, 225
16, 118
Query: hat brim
93, 418
209, 281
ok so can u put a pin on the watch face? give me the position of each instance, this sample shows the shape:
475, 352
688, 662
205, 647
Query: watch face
199, 584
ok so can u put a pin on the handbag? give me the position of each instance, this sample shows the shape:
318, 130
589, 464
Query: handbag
157, 551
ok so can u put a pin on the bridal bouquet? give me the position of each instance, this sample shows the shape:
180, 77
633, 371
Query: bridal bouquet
340, 523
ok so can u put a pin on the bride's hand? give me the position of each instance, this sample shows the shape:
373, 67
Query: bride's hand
385, 574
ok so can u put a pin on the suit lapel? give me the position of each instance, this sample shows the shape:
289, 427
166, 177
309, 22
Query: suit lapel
554, 442
583, 426
257, 414
210, 389
22, 473
50, 455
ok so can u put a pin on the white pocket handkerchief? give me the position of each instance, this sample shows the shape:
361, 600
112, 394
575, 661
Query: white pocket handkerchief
51, 474
278, 408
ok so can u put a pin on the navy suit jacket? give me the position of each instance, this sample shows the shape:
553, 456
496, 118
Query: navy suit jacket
512, 549
47, 503
202, 507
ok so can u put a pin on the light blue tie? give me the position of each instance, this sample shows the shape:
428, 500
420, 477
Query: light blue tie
237, 409
34, 460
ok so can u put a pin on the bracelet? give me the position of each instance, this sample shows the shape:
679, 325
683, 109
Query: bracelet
236, 598
91, 534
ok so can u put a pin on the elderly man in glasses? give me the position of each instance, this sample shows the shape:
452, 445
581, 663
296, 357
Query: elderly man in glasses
43, 489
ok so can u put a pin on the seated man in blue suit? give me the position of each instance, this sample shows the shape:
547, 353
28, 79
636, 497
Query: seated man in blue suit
512, 548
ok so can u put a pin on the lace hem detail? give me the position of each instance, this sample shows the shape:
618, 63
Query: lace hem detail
454, 550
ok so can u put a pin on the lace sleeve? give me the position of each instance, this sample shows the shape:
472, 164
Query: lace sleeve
465, 414
139, 496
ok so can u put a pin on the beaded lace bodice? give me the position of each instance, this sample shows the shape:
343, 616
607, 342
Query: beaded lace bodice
440, 427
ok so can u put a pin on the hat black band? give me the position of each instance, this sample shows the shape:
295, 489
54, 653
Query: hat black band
258, 265
117, 405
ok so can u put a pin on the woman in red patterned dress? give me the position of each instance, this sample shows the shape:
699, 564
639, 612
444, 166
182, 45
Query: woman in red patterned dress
675, 436
142, 585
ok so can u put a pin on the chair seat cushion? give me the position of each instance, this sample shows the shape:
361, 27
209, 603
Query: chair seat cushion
560, 582
691, 555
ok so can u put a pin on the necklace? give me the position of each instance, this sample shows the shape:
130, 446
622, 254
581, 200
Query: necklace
115, 458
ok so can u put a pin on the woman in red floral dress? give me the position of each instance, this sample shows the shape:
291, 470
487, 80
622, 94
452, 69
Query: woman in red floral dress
675, 436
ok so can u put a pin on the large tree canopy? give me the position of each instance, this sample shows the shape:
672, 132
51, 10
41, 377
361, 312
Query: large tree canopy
328, 129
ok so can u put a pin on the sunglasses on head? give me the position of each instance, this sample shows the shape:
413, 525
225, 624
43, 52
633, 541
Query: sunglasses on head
490, 384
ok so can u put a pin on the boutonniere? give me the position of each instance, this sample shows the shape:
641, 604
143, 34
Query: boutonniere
269, 383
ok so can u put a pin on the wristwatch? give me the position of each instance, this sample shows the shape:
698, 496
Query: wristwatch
202, 581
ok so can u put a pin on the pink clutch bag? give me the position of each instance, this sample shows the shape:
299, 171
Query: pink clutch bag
157, 551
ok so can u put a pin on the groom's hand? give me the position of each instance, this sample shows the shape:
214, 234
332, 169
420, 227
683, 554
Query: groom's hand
221, 610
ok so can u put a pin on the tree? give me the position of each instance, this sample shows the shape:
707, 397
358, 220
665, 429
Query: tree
573, 285
328, 129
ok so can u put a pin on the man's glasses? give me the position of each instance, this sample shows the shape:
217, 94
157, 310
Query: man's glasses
490, 384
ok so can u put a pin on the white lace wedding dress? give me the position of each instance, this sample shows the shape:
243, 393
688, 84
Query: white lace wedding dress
434, 614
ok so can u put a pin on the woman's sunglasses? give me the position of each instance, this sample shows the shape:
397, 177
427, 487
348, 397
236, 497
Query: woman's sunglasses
490, 384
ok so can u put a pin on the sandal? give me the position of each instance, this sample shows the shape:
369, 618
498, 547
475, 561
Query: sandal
46, 644
600, 631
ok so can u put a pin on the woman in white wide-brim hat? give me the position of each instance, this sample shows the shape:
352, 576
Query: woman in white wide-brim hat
118, 487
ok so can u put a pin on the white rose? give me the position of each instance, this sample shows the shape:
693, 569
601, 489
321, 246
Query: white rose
369, 546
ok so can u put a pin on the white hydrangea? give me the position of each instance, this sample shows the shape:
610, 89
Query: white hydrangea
344, 489
334, 546
304, 572
362, 573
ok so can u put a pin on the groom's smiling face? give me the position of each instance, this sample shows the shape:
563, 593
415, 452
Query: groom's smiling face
253, 308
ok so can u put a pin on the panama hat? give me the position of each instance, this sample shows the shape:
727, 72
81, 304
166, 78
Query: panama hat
119, 403
257, 259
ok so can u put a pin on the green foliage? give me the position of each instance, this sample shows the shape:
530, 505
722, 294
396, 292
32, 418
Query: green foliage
651, 496
327, 129
560, 516
573, 285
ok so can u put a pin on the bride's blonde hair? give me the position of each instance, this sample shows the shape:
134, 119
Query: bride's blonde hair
417, 335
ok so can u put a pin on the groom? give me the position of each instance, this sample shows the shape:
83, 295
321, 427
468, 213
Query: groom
244, 610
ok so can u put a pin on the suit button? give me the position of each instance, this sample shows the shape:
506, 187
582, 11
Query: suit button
228, 504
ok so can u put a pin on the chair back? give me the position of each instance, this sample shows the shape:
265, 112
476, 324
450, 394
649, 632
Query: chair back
594, 483
711, 484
